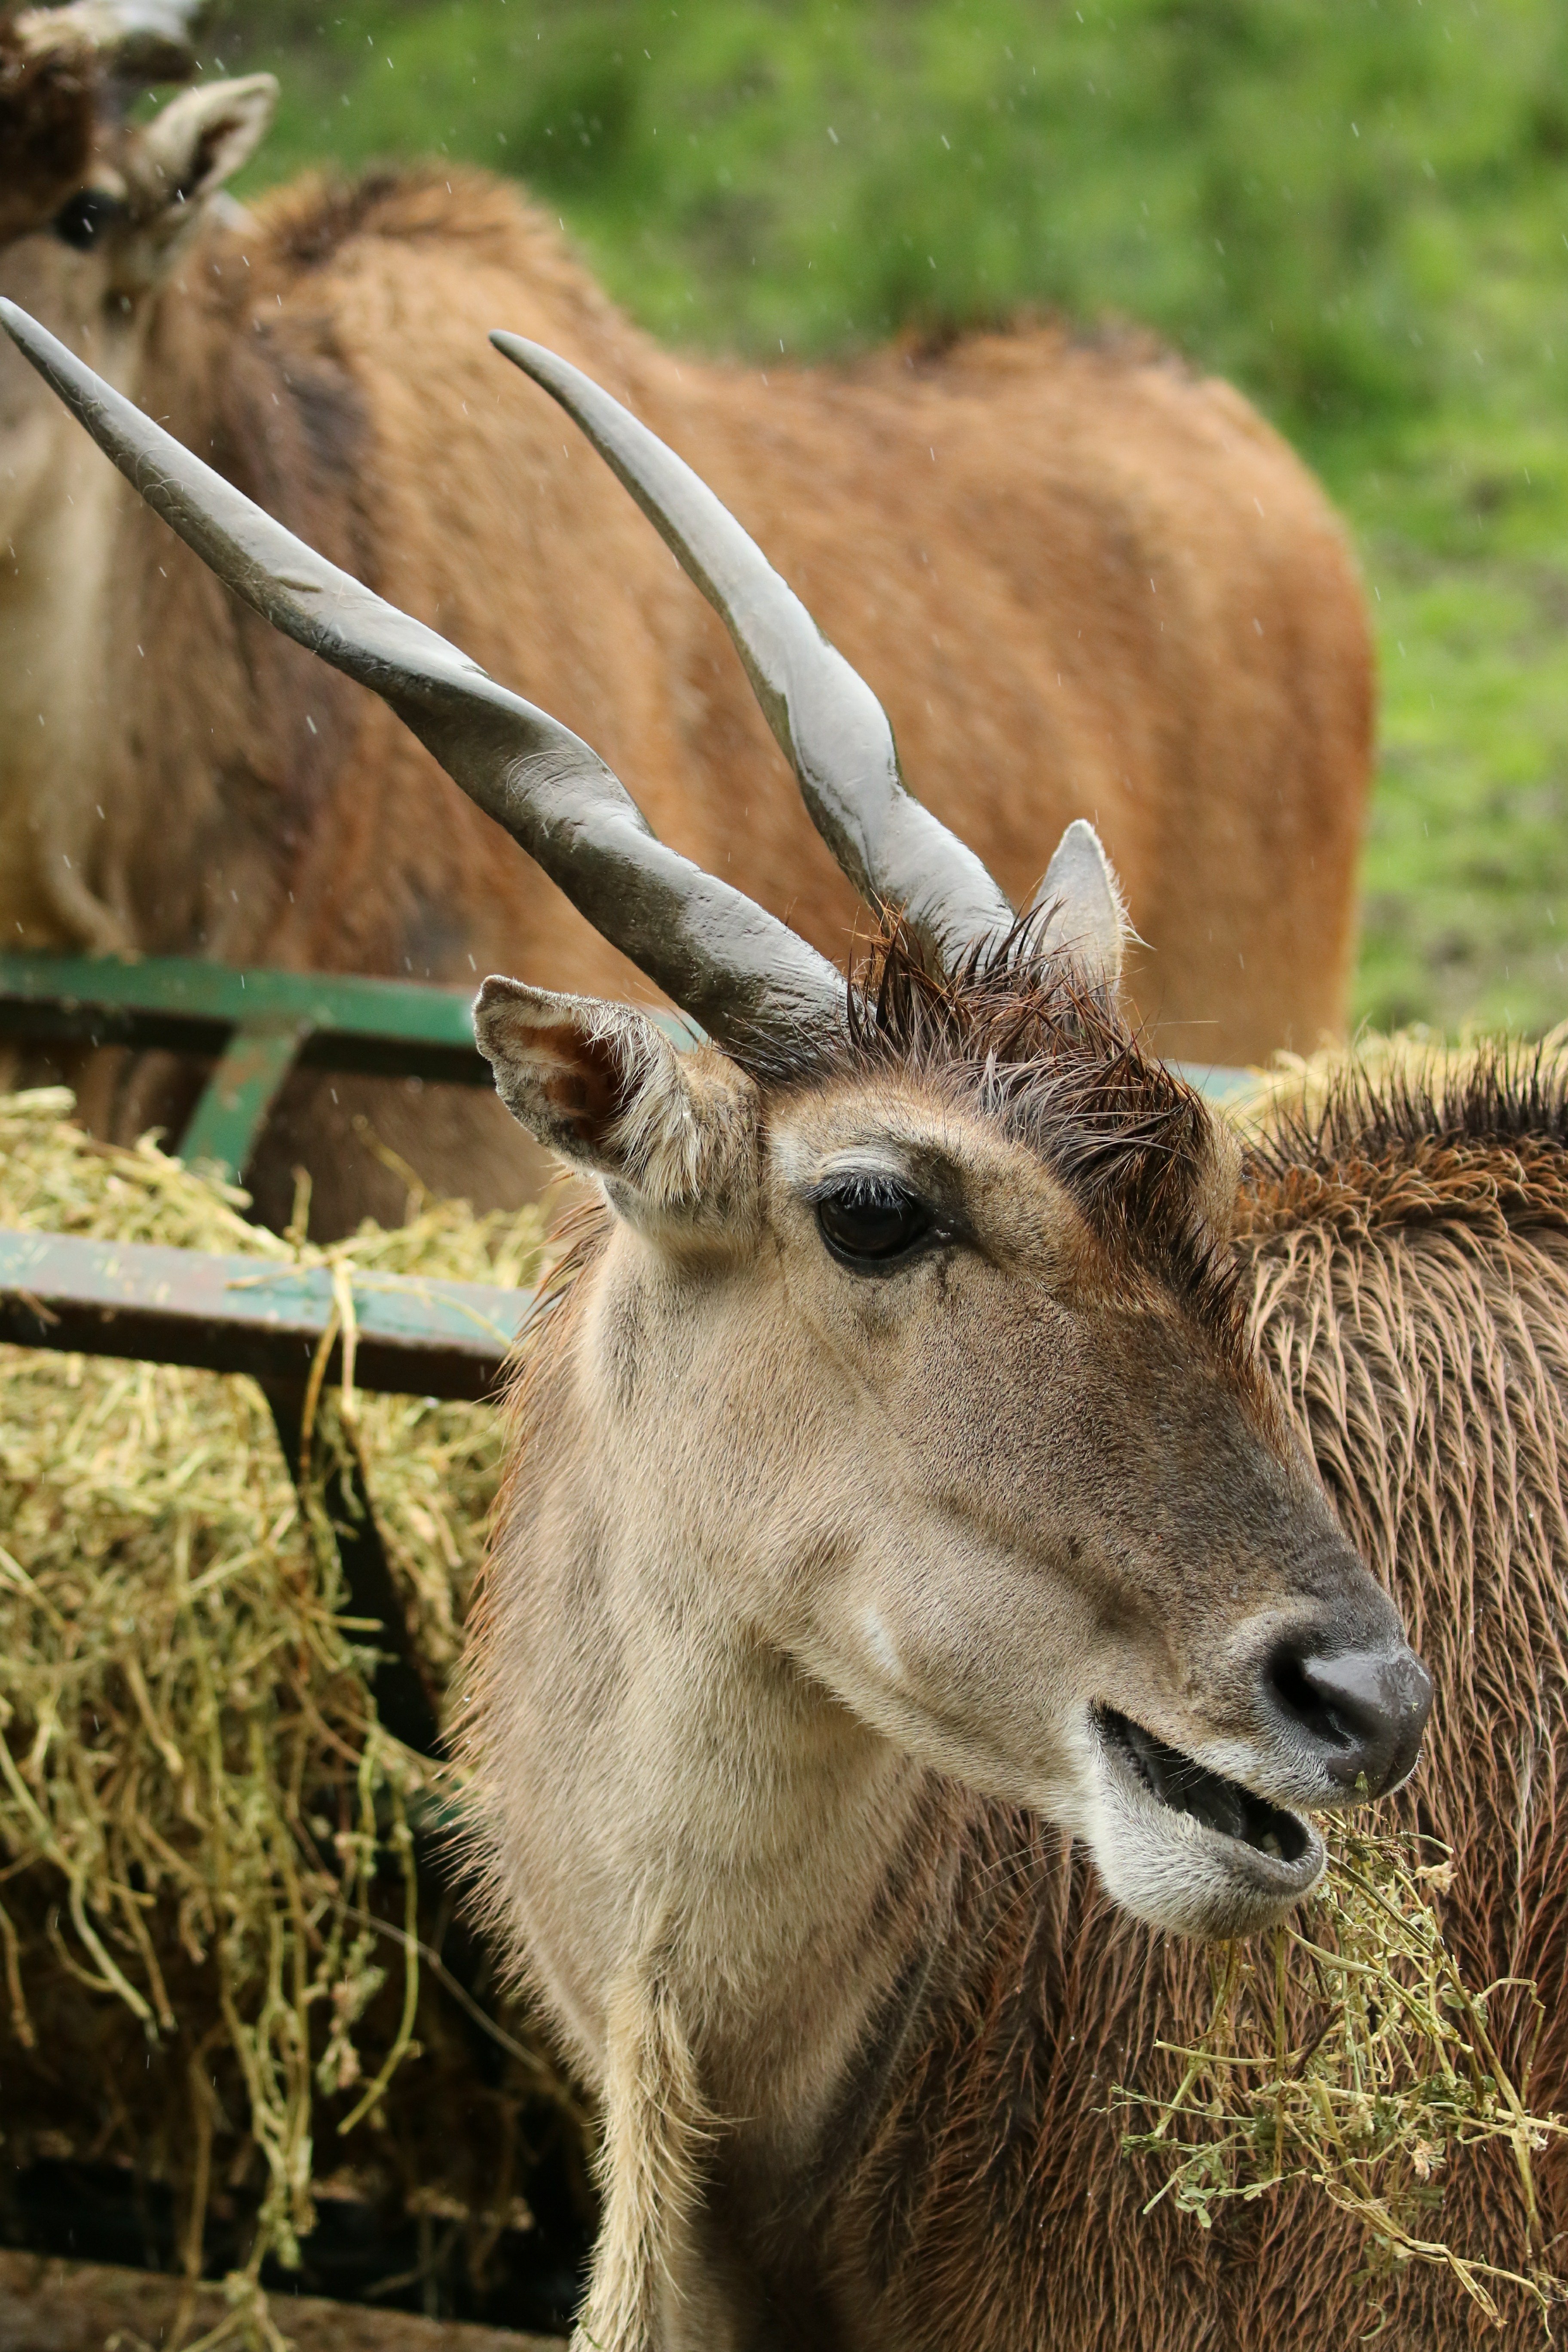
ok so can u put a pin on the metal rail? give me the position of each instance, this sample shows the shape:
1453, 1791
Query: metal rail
414, 1336
254, 1025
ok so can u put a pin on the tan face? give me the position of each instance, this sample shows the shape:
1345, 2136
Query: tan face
90, 264
1008, 1499
1046, 1507
60, 507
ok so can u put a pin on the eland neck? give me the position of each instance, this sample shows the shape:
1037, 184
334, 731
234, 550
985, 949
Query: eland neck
61, 508
694, 1807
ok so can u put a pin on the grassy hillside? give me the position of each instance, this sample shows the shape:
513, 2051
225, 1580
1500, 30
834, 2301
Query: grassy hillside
1356, 208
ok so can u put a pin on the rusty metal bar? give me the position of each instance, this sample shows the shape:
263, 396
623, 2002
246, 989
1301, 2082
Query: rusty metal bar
250, 1315
185, 1003
239, 1094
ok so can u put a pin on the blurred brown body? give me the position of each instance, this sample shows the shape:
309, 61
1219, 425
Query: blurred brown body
1081, 581
1411, 1297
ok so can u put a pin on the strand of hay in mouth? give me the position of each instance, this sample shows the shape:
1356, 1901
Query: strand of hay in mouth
210, 1921
1344, 2049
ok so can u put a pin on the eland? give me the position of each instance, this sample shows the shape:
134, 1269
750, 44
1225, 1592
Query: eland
896, 1447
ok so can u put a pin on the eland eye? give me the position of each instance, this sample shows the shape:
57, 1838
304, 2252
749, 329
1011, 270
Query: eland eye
82, 219
872, 1222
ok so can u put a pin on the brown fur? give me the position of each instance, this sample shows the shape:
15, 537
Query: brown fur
1054, 1063
1080, 578
47, 123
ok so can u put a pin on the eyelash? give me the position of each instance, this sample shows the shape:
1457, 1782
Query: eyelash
874, 1225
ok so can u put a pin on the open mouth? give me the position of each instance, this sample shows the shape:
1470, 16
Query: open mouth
1175, 1781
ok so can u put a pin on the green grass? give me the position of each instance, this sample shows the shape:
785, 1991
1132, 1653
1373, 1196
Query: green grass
1358, 209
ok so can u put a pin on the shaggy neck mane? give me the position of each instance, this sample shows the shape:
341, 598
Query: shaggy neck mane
1479, 1141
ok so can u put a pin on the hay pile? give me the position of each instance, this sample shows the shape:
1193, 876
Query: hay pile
210, 1919
1345, 2050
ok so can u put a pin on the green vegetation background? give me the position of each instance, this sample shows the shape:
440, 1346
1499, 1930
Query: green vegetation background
1358, 209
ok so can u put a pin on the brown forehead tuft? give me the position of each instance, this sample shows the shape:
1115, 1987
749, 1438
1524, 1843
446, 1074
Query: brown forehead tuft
1016, 1037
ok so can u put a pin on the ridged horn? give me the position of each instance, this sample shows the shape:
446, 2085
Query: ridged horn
831, 726
744, 976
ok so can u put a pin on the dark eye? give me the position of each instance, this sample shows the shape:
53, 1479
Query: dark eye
872, 1222
82, 218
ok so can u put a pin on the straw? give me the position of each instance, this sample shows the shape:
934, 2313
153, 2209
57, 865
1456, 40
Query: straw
205, 1849
1345, 2050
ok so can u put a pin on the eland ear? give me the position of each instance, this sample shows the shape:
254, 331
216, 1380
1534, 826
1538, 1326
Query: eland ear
1082, 901
671, 1136
203, 138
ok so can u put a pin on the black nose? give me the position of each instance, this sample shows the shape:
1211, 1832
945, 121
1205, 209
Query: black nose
1365, 1710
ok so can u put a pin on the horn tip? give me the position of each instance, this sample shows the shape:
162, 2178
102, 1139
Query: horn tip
532, 358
